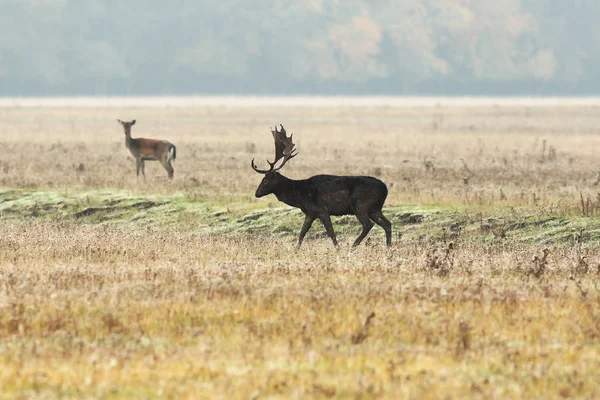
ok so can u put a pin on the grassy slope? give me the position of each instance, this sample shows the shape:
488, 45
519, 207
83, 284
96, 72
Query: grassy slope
411, 222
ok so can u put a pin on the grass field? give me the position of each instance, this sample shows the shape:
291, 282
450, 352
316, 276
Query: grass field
114, 287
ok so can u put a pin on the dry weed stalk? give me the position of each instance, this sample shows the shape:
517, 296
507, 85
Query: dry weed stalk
581, 264
465, 168
464, 337
582, 202
543, 151
539, 264
589, 207
597, 179
362, 334
429, 166
441, 266
551, 153
502, 195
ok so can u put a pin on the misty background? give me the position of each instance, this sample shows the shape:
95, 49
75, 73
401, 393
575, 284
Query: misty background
343, 47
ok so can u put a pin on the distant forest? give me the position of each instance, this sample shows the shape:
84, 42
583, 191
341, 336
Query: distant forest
344, 47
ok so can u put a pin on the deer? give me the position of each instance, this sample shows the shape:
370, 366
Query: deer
149, 150
323, 196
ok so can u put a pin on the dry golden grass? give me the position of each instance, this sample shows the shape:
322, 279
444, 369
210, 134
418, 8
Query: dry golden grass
118, 313
112, 311
501, 147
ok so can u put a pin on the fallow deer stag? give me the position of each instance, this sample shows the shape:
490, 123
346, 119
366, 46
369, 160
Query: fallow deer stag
149, 150
322, 196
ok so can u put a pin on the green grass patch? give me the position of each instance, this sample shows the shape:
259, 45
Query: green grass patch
237, 213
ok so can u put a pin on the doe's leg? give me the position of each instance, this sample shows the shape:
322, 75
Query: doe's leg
168, 167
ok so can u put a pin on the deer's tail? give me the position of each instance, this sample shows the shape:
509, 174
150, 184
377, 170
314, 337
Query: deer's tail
171, 153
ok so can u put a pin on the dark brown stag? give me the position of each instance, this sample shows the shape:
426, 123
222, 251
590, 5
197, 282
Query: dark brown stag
322, 196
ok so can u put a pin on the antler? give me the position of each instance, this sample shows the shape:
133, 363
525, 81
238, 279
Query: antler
284, 149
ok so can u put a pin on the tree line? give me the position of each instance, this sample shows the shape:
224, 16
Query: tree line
135, 47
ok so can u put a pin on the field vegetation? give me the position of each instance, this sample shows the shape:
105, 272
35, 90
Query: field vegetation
112, 286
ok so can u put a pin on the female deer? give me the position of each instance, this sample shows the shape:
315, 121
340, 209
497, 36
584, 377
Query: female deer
149, 149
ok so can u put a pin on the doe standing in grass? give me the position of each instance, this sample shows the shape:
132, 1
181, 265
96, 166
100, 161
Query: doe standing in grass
149, 149
322, 196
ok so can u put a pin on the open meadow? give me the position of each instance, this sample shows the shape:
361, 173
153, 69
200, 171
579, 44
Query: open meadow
112, 286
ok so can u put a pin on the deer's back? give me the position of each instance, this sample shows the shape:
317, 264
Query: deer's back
149, 149
343, 195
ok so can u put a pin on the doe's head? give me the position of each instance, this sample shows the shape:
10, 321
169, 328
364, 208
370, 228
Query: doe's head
127, 126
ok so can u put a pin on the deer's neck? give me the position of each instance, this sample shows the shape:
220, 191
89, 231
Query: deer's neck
289, 192
128, 141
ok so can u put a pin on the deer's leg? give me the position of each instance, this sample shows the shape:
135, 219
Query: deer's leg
385, 223
367, 225
326, 221
168, 167
138, 164
308, 220
143, 164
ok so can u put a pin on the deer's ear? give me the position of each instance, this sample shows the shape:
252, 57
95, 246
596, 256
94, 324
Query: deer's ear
133, 122
121, 122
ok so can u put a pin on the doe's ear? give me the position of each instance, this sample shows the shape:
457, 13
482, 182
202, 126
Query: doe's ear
133, 122
121, 122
